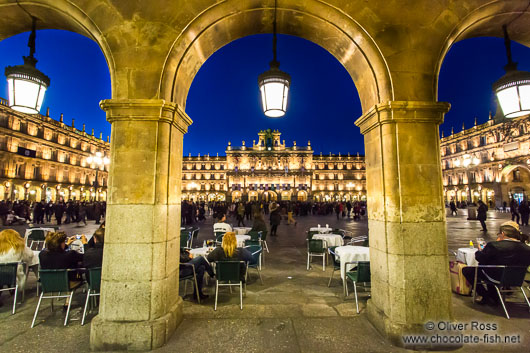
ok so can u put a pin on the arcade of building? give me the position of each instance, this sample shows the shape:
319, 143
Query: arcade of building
45, 159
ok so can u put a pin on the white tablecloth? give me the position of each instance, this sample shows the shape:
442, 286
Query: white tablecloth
321, 229
242, 230
241, 239
351, 253
199, 251
467, 256
330, 239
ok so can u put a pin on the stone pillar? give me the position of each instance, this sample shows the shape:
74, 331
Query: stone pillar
408, 244
140, 306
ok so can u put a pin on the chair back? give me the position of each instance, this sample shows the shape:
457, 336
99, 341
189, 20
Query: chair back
363, 271
250, 242
255, 251
264, 235
255, 235
94, 278
185, 236
315, 245
513, 276
310, 234
8, 275
219, 236
195, 233
228, 271
54, 280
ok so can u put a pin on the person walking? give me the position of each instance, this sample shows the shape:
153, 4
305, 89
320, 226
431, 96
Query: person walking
275, 218
524, 210
240, 214
482, 214
290, 218
452, 206
513, 209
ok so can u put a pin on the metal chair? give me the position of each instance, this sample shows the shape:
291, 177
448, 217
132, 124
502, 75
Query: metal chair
336, 265
185, 238
229, 272
316, 247
358, 239
255, 252
192, 277
219, 237
8, 278
510, 276
194, 235
93, 277
310, 234
360, 274
56, 281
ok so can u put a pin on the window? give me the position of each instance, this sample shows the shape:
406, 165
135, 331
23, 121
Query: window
516, 175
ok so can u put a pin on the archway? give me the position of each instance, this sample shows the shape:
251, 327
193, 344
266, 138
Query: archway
269, 196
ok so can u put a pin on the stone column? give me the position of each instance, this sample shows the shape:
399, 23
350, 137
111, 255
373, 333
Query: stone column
140, 306
408, 244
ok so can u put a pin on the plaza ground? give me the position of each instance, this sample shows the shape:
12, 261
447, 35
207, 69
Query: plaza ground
293, 311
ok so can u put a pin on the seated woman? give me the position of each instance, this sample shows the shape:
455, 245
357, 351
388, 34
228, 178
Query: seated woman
55, 256
230, 252
507, 250
13, 249
259, 223
201, 266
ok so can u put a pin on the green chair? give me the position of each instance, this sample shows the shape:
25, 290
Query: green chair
310, 234
255, 235
264, 241
228, 274
36, 239
219, 237
93, 278
336, 265
8, 278
56, 281
360, 274
194, 235
185, 238
255, 252
250, 242
193, 278
316, 248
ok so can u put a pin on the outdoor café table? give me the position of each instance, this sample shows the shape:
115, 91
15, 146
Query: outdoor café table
241, 239
200, 251
330, 239
242, 230
467, 256
351, 253
321, 229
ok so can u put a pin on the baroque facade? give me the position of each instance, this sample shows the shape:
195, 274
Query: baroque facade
269, 170
489, 162
44, 159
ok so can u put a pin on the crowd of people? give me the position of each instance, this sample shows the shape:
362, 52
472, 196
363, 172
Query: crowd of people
72, 211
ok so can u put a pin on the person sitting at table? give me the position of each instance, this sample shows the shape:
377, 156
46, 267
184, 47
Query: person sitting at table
222, 226
508, 250
259, 223
230, 252
201, 266
93, 256
13, 249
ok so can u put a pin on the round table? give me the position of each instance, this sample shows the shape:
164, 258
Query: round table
320, 229
330, 239
204, 251
242, 230
467, 256
241, 239
351, 253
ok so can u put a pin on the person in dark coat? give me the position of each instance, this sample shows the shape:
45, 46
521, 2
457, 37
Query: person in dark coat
259, 224
513, 209
509, 249
482, 214
452, 206
93, 256
275, 218
524, 210
59, 211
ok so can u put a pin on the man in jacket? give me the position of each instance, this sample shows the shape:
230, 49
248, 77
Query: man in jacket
94, 254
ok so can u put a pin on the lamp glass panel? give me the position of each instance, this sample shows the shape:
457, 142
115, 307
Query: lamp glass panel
41, 97
509, 100
524, 96
274, 98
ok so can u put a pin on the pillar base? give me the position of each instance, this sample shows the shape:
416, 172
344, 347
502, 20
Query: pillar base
394, 331
134, 335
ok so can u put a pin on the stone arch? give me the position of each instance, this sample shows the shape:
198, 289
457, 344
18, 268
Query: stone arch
487, 21
317, 22
57, 14
508, 169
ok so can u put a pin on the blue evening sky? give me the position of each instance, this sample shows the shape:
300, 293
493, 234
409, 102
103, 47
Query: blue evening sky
224, 101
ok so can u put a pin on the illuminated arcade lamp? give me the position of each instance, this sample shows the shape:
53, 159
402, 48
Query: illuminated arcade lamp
513, 89
26, 84
274, 84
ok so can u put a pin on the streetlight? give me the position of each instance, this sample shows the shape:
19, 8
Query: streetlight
274, 84
26, 84
513, 89
99, 160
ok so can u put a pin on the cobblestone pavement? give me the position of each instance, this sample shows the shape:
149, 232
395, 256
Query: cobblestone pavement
293, 311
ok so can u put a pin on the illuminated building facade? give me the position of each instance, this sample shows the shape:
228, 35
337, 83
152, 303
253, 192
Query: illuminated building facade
44, 159
269, 170
489, 162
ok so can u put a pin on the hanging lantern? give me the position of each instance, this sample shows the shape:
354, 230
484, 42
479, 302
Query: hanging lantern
26, 84
274, 84
513, 89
